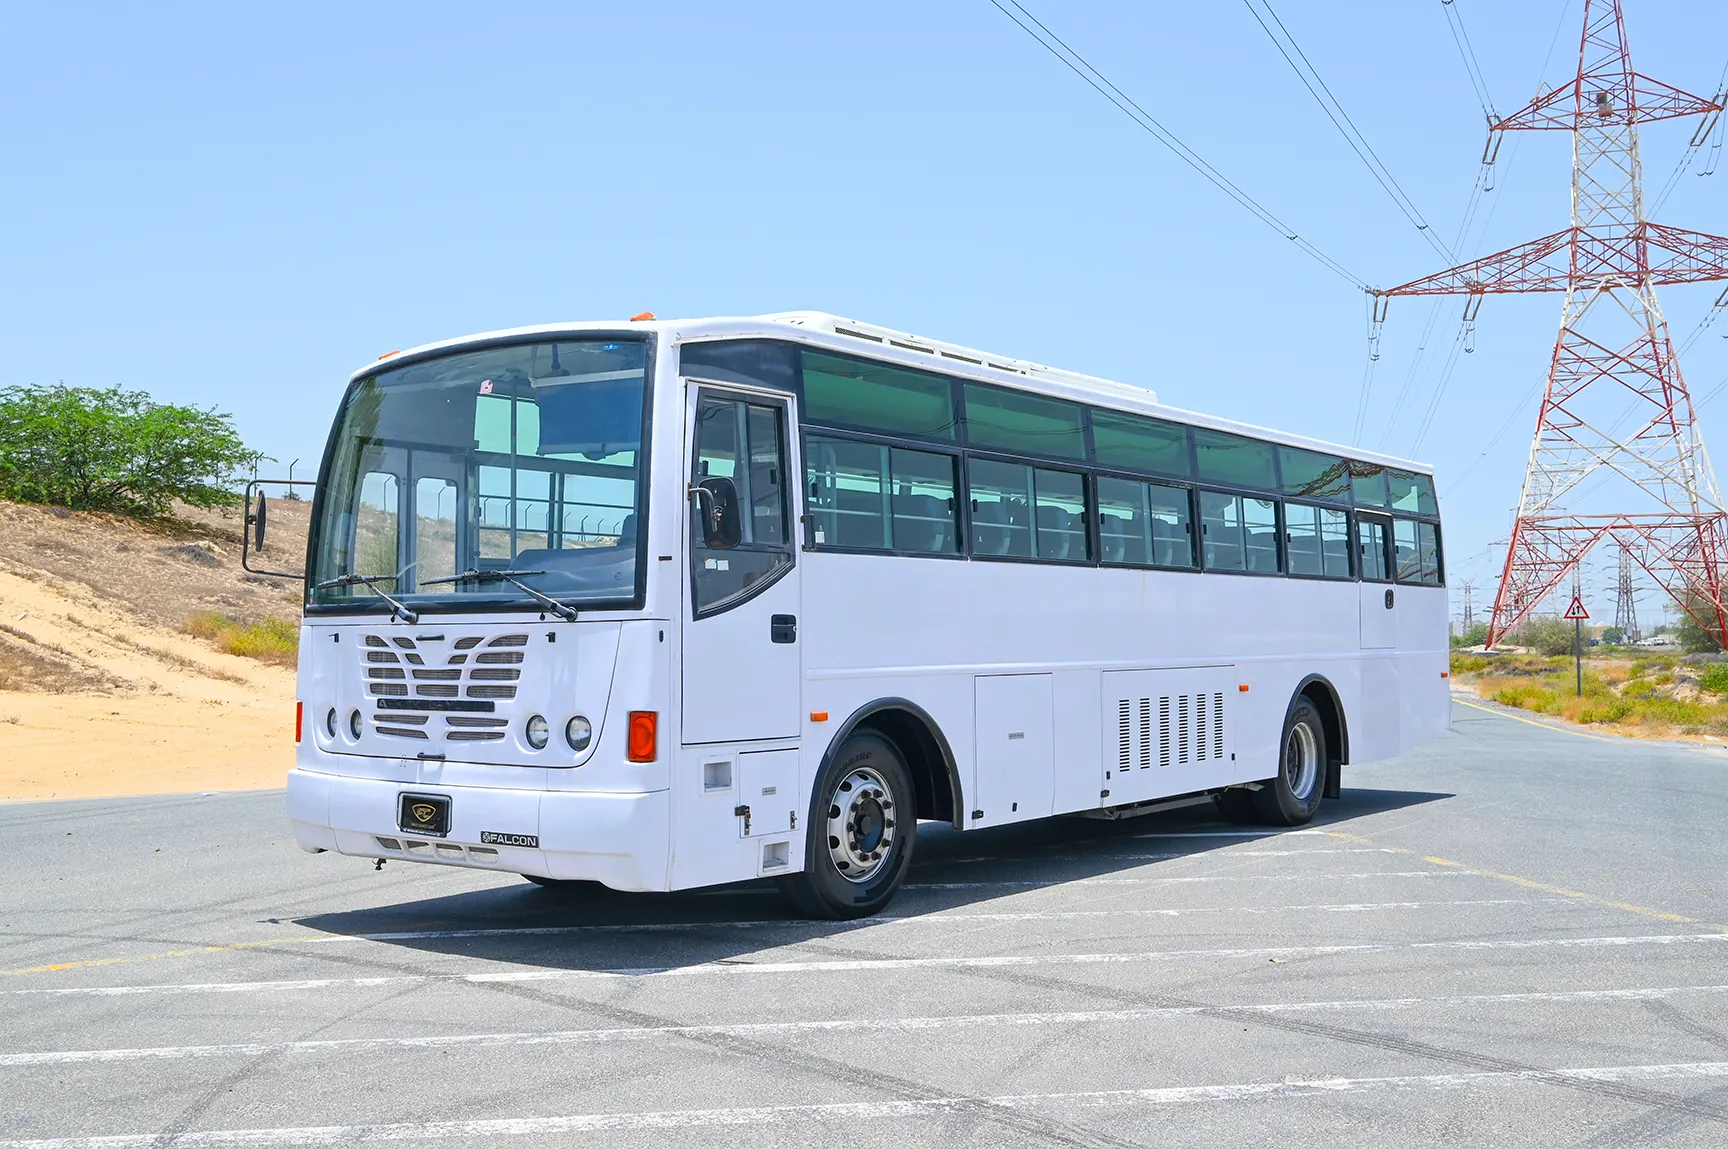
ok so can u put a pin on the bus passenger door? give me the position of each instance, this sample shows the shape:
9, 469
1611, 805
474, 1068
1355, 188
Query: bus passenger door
741, 670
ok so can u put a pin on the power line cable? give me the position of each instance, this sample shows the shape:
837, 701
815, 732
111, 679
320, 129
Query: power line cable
1455, 21
1341, 120
1102, 85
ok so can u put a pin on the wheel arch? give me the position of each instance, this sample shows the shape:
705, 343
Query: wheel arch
1319, 691
922, 745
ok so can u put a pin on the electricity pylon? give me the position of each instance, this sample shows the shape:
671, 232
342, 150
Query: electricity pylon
1625, 602
1613, 347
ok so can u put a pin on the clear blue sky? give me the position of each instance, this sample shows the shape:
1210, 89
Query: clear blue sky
239, 204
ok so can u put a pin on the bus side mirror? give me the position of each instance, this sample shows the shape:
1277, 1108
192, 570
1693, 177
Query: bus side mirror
253, 527
717, 503
257, 520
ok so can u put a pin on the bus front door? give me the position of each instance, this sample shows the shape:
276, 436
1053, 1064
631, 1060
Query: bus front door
741, 671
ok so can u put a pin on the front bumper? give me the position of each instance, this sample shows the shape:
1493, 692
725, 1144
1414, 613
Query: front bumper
620, 840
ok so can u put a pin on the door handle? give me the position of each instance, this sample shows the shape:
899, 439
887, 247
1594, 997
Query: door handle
1388, 599
783, 628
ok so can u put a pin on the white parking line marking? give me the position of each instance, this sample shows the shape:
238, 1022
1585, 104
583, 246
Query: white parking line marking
1238, 834
872, 1110
858, 965
1040, 883
793, 1028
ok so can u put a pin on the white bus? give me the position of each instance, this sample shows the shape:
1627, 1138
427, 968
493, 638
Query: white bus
665, 604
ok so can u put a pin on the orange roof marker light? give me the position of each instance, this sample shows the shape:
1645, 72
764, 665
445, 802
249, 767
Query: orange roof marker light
641, 315
387, 354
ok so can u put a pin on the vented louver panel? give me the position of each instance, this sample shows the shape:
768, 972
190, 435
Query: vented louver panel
1165, 718
1164, 732
490, 674
1124, 736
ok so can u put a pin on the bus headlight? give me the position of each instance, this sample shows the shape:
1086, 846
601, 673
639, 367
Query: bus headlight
538, 732
578, 732
330, 724
354, 725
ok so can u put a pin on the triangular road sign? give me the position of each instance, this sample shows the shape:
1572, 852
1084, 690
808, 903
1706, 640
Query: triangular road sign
1576, 610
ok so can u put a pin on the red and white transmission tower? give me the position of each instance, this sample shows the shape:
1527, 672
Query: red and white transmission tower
1609, 263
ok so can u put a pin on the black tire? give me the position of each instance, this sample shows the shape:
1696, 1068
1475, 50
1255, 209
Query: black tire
1292, 797
863, 817
1236, 806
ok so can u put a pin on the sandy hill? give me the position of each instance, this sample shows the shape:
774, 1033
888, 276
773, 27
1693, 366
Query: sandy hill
102, 691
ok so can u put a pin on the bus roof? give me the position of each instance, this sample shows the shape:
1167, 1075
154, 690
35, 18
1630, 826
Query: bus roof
837, 333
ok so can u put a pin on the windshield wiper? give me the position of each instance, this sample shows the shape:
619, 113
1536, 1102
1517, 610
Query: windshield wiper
566, 613
370, 582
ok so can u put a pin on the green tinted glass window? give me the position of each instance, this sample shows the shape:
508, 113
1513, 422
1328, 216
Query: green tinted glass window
1136, 444
857, 393
1368, 484
1313, 475
1234, 460
1411, 492
1030, 424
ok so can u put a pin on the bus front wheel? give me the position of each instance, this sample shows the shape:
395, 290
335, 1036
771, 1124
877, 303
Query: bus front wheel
1293, 796
863, 821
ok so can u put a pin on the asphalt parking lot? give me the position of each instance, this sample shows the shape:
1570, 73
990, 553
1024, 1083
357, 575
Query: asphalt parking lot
1514, 936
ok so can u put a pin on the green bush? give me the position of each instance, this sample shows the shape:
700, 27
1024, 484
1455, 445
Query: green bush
1715, 678
114, 450
272, 640
1546, 636
1611, 712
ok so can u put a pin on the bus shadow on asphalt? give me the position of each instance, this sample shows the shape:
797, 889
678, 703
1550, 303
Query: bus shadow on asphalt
586, 926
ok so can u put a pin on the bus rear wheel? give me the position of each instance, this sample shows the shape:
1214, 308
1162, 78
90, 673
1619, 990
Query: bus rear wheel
1293, 797
863, 822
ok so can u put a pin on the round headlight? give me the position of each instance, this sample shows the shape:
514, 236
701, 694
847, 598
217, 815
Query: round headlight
538, 732
354, 725
330, 723
578, 732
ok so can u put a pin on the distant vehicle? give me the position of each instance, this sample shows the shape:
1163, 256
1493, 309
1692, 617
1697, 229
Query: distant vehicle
670, 604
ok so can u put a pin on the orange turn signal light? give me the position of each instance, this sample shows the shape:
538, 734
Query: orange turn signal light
644, 735
299, 720
641, 315
1445, 674
1243, 687
818, 716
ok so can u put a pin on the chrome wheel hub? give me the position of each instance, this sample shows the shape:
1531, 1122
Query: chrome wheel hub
1301, 762
861, 817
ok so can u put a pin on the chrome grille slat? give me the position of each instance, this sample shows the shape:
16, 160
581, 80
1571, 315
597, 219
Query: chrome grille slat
491, 672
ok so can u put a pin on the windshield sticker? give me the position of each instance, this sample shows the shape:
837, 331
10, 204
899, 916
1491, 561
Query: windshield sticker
485, 386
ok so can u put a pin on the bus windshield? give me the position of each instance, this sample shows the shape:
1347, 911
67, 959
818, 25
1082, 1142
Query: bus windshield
523, 459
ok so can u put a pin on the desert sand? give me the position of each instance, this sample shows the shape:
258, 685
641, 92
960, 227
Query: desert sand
102, 699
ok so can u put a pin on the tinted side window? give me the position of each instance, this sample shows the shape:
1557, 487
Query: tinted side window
1313, 475
858, 393
1136, 444
1417, 552
1014, 421
1231, 459
742, 443
1238, 533
1001, 495
1411, 492
1368, 484
923, 502
1144, 524
1317, 541
845, 492
1371, 548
